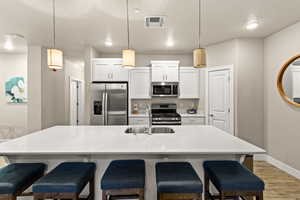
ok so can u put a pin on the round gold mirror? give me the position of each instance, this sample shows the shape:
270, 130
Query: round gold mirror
288, 81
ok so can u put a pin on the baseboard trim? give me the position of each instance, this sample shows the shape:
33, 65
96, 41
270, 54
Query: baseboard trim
260, 157
280, 165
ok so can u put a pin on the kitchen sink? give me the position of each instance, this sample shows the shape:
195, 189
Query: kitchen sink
137, 130
162, 130
145, 130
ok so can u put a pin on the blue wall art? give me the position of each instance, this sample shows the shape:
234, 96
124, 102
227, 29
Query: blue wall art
16, 90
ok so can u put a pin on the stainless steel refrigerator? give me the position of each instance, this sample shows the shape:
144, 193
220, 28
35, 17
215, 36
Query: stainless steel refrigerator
109, 104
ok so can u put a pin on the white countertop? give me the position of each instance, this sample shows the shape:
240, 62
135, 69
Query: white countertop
86, 140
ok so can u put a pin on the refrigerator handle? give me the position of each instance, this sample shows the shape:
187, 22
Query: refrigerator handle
106, 110
103, 107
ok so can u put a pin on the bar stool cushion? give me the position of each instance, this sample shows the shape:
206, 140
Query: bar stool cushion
232, 176
177, 177
124, 174
15, 177
67, 177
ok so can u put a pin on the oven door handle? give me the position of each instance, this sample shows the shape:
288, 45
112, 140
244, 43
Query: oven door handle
168, 123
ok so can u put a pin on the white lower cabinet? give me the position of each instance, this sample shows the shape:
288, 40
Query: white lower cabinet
193, 121
139, 121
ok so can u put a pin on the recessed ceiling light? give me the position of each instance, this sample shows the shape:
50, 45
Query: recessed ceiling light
137, 10
252, 25
170, 43
8, 45
108, 43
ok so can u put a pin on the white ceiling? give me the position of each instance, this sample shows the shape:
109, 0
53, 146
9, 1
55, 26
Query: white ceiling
82, 23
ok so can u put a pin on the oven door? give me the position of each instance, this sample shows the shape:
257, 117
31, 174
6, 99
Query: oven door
166, 123
162, 90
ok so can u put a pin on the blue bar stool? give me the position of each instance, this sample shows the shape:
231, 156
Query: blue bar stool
177, 180
66, 181
16, 178
232, 179
124, 178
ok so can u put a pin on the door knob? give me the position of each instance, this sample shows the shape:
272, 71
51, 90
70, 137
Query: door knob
211, 115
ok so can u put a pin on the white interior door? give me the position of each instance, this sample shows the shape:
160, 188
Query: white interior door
219, 99
76, 102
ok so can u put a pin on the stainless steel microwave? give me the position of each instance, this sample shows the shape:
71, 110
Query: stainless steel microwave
163, 89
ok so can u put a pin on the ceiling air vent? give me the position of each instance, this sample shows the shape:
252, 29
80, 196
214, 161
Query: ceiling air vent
155, 21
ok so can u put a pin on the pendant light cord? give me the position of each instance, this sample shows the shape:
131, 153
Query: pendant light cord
53, 9
199, 23
128, 38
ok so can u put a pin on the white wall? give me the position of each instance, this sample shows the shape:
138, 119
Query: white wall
13, 116
246, 55
281, 120
144, 59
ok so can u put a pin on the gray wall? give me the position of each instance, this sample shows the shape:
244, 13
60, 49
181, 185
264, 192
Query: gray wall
89, 54
281, 120
34, 114
246, 56
13, 116
53, 95
250, 90
48, 91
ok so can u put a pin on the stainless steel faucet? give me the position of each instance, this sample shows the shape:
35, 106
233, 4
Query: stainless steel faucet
149, 112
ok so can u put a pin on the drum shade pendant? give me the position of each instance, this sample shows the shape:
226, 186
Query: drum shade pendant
54, 56
128, 54
55, 59
128, 58
199, 53
199, 58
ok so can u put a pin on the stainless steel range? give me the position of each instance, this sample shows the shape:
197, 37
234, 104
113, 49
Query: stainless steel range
165, 114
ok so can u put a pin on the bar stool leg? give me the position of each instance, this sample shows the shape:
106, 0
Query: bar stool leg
141, 194
92, 188
260, 196
104, 195
13, 197
222, 195
206, 186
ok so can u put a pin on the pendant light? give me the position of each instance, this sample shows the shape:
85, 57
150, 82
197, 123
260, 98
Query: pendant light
199, 53
54, 56
128, 54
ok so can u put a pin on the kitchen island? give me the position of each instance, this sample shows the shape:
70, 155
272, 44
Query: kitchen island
101, 144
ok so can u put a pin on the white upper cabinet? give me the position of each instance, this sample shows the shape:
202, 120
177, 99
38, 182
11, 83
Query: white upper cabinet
165, 71
139, 83
109, 69
189, 86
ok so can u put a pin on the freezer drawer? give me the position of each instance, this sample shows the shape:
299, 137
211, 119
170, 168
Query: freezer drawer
117, 120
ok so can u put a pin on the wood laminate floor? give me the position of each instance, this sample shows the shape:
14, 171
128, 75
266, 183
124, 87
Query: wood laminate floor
279, 185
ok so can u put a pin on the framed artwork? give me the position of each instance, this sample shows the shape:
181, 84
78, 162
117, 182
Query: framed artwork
16, 90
